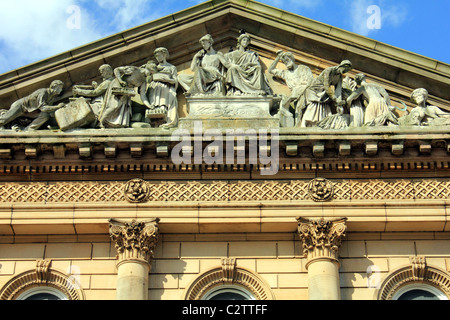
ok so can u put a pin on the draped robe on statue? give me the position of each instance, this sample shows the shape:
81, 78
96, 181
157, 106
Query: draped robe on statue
245, 75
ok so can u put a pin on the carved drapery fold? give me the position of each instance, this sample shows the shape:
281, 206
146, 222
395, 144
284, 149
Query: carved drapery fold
135, 240
322, 238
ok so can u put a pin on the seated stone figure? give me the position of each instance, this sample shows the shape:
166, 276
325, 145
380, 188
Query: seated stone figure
424, 114
378, 111
245, 75
208, 66
298, 78
40, 101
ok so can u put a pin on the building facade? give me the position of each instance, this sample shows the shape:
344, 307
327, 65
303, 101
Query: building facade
277, 158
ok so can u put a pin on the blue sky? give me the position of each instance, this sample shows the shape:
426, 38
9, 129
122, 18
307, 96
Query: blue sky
32, 30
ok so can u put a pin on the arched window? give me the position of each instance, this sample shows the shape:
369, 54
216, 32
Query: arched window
419, 291
229, 282
228, 293
42, 283
417, 281
43, 294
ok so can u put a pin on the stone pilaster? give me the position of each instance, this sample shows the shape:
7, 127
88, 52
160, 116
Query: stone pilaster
321, 243
135, 243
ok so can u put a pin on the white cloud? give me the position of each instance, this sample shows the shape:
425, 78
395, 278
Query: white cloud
32, 30
365, 13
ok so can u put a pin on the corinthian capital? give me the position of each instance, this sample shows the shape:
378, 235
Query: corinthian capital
134, 240
322, 238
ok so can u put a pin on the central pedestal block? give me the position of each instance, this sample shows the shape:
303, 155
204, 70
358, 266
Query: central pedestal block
246, 112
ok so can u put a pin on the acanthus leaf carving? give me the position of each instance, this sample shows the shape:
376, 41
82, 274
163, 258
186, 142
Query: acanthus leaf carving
134, 240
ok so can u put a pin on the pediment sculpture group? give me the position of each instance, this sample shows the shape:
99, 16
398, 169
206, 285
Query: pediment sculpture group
329, 101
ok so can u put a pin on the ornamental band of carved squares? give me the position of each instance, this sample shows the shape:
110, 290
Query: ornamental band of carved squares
349, 190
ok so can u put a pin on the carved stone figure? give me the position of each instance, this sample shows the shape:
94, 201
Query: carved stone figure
208, 66
116, 111
379, 110
97, 92
320, 97
337, 121
162, 91
297, 77
357, 107
39, 101
424, 114
245, 75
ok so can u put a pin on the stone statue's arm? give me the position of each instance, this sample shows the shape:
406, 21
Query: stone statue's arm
275, 63
52, 108
118, 73
143, 94
355, 95
223, 60
196, 60
386, 96
100, 90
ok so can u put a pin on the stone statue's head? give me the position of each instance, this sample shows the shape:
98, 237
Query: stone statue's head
419, 94
360, 77
241, 38
346, 66
106, 71
164, 51
208, 38
287, 56
56, 87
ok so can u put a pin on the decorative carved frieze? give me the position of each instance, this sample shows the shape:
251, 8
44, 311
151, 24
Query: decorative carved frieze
134, 240
295, 190
321, 238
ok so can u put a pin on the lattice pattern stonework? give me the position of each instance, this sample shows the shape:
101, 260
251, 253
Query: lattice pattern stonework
348, 190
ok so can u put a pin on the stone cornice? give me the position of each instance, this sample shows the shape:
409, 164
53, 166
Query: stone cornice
303, 151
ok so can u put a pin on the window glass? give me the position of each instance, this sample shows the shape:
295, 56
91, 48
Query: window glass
42, 294
420, 292
229, 293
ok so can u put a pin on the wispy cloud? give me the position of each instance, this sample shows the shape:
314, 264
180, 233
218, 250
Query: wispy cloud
365, 13
31, 30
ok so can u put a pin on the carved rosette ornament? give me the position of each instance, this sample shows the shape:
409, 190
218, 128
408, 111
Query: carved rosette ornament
322, 238
321, 190
136, 191
135, 240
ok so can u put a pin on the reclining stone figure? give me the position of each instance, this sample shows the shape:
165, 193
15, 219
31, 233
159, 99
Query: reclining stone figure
39, 101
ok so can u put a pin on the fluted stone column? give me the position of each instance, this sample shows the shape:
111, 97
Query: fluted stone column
321, 242
135, 243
